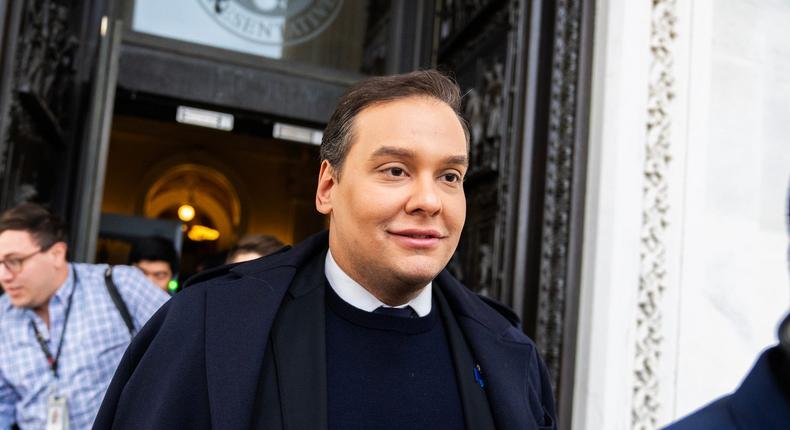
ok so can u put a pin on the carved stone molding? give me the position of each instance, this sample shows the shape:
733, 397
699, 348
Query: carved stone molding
655, 218
563, 128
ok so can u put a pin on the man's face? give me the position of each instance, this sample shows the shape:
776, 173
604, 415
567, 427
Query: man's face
157, 271
398, 206
39, 274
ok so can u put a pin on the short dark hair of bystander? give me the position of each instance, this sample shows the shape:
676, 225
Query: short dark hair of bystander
45, 228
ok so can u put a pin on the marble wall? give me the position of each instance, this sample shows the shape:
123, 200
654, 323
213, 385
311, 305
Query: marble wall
685, 271
734, 286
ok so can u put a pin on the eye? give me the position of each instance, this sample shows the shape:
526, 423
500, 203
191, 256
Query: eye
396, 172
451, 177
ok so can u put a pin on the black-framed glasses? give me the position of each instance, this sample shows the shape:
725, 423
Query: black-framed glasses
14, 264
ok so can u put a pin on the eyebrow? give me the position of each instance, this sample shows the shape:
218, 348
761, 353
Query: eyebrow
384, 151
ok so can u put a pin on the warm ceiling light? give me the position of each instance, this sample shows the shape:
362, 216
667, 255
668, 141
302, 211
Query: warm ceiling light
186, 213
199, 233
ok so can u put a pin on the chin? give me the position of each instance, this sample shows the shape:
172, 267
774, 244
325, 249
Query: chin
419, 275
20, 302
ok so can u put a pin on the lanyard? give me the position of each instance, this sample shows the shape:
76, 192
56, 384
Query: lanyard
53, 361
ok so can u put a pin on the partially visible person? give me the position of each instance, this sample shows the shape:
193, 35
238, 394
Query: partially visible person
761, 402
763, 399
61, 333
157, 258
253, 246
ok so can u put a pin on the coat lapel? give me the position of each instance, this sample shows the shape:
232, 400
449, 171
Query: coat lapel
299, 347
238, 324
237, 327
477, 412
503, 356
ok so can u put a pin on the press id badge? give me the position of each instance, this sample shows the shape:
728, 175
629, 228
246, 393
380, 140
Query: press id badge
57, 413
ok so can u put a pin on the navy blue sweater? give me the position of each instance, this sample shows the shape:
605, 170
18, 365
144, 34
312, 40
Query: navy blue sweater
387, 372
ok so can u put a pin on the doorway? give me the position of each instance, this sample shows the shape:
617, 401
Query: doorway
238, 182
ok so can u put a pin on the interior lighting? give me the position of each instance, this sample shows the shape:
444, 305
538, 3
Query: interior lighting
199, 233
296, 133
204, 118
186, 212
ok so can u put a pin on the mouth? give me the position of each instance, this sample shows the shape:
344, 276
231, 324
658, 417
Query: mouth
12, 291
418, 233
417, 238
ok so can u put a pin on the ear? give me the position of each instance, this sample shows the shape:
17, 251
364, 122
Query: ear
58, 251
326, 183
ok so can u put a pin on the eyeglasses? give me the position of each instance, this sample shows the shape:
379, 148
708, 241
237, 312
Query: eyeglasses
14, 264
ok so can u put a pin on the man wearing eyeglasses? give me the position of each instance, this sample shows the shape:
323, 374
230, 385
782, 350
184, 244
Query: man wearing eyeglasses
61, 333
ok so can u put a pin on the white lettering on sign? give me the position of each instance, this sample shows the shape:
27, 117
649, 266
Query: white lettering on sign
273, 22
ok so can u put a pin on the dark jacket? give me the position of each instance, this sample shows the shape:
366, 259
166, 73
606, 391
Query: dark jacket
759, 403
198, 362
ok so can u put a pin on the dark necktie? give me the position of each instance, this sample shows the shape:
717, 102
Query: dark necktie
407, 312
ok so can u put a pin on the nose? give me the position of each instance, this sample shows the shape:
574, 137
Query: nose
5, 274
425, 198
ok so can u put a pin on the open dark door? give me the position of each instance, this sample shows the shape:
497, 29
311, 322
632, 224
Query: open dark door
96, 141
524, 67
54, 89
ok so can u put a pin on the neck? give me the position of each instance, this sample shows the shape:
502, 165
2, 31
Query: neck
60, 279
782, 359
394, 295
43, 312
391, 292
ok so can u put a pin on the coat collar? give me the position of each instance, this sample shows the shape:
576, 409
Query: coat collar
508, 359
239, 319
239, 322
296, 256
467, 303
301, 366
759, 402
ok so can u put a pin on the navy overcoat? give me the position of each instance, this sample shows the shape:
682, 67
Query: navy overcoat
759, 403
197, 363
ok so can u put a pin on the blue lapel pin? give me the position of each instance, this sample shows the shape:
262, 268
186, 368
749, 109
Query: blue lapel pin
479, 376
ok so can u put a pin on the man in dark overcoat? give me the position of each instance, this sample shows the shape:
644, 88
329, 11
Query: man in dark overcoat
360, 327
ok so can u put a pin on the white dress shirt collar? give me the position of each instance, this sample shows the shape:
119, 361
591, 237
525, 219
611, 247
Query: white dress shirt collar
356, 295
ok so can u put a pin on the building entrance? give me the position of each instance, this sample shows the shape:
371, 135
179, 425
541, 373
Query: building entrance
236, 182
90, 93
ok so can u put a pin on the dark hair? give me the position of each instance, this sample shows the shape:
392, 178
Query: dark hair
154, 248
258, 243
47, 229
380, 89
